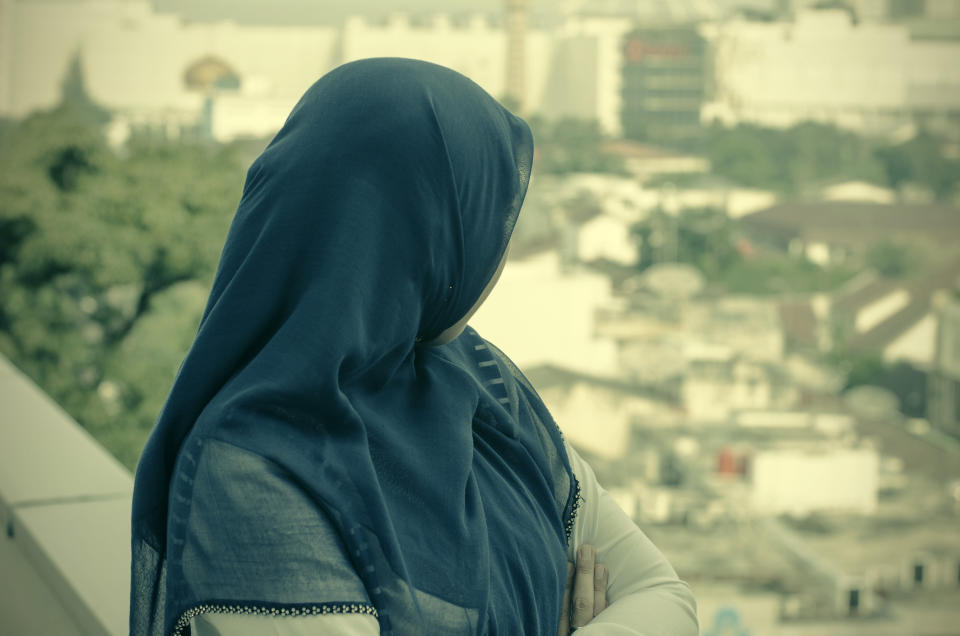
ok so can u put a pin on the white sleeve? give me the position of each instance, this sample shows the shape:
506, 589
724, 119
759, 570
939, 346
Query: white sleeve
253, 625
645, 595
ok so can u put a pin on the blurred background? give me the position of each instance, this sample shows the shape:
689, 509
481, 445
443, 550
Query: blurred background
735, 281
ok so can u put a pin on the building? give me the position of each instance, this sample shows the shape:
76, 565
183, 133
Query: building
606, 237
857, 191
665, 72
646, 160
943, 406
798, 481
149, 86
597, 415
475, 47
830, 232
867, 76
571, 69
516, 64
715, 387
585, 76
894, 318
544, 313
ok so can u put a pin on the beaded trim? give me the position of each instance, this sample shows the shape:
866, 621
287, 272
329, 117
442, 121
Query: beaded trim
307, 610
577, 500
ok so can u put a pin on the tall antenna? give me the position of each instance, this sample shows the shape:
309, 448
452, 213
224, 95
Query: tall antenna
517, 13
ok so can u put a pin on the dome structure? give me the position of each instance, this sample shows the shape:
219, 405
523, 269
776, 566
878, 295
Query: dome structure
211, 73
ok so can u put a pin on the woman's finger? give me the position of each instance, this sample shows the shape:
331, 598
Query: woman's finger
600, 575
564, 628
583, 587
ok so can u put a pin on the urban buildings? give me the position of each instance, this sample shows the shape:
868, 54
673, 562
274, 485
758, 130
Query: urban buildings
655, 80
791, 507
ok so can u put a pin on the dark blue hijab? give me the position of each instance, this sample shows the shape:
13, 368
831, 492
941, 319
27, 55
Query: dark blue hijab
369, 224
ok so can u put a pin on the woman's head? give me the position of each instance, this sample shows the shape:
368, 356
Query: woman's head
394, 186
376, 217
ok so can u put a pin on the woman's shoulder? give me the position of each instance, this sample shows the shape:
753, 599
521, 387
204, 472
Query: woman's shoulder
242, 528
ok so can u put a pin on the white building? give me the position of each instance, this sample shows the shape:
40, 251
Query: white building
606, 237
747, 326
540, 313
870, 77
591, 418
801, 481
717, 386
476, 49
585, 71
858, 191
134, 61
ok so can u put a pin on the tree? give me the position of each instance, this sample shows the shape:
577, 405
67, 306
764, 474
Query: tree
703, 237
104, 264
571, 145
903, 379
921, 159
892, 260
793, 159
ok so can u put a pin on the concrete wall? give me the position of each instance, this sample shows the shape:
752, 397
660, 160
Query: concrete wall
65, 514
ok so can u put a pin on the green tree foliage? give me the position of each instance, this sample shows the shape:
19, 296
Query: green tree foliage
571, 145
921, 160
770, 273
902, 378
793, 160
703, 237
712, 242
104, 263
790, 160
892, 260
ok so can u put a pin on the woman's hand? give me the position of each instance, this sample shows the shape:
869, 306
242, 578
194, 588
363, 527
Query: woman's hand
585, 594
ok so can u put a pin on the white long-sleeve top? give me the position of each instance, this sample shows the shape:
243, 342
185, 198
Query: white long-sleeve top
646, 597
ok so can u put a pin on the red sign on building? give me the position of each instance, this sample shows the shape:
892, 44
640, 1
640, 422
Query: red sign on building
637, 50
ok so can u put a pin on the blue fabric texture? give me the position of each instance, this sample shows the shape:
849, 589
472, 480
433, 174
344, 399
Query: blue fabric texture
308, 401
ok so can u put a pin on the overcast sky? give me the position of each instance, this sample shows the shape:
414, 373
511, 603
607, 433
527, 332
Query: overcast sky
334, 11
318, 11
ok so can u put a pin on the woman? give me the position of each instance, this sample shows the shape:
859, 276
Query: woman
338, 454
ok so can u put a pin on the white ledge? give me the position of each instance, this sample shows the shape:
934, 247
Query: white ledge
65, 513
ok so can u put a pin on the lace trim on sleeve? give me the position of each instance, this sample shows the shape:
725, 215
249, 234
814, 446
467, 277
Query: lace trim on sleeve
271, 609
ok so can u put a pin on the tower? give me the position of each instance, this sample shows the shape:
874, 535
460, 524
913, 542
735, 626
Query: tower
7, 16
517, 12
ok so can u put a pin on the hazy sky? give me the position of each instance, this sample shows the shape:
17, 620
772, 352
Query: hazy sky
333, 11
318, 11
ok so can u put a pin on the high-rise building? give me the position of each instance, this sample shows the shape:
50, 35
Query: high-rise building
664, 84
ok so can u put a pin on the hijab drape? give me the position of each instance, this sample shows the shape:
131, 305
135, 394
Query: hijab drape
370, 223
